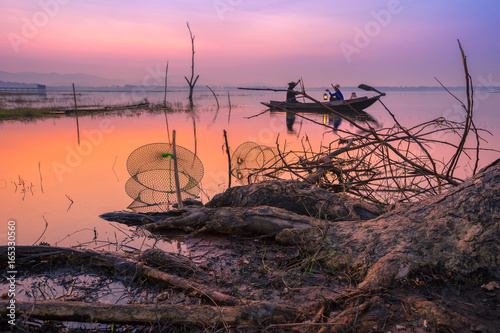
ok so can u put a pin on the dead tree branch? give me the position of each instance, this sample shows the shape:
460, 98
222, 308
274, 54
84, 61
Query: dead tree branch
192, 81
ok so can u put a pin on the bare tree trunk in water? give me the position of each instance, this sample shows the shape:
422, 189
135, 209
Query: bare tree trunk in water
192, 81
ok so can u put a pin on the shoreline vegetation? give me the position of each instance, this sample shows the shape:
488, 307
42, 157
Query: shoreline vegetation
28, 113
32, 113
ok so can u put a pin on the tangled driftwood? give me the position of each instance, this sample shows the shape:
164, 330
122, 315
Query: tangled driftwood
454, 234
457, 229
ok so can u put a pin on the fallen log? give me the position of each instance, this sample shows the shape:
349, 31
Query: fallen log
259, 221
121, 265
192, 315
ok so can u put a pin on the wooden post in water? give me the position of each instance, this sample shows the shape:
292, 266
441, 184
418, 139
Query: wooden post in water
176, 174
76, 112
165, 102
165, 98
229, 115
228, 158
216, 99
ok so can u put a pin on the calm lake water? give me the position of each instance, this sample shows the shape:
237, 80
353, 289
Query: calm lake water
55, 189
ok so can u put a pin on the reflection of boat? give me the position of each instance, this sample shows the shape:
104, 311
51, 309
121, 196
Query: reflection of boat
290, 120
328, 117
357, 104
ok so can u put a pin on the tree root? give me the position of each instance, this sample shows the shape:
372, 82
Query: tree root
457, 229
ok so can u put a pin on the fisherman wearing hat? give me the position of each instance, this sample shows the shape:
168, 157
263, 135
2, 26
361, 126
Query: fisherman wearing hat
337, 95
290, 94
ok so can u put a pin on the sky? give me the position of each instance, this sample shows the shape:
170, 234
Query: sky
245, 43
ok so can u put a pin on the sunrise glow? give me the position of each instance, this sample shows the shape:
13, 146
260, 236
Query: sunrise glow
391, 42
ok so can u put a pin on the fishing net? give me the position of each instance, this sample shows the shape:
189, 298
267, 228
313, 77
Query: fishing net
152, 182
251, 162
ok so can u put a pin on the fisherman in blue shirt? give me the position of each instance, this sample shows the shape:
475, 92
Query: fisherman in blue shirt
337, 95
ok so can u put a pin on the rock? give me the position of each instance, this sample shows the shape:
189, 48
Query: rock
300, 198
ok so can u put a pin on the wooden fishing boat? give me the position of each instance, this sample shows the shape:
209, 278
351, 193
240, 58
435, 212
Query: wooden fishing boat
358, 104
353, 104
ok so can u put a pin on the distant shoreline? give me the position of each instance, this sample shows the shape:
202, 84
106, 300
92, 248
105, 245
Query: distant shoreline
492, 89
161, 88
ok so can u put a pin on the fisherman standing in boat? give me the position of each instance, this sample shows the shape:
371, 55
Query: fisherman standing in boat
337, 95
290, 94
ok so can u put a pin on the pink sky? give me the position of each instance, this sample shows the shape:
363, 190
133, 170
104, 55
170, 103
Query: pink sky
238, 42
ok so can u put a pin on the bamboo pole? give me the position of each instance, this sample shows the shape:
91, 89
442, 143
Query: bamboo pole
229, 115
176, 174
213, 93
165, 102
76, 112
40, 172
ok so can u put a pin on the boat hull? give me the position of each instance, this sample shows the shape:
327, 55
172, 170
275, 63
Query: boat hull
358, 104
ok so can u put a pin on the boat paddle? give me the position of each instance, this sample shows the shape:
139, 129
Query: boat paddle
368, 88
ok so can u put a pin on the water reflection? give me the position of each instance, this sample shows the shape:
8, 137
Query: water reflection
290, 120
329, 119
44, 163
334, 121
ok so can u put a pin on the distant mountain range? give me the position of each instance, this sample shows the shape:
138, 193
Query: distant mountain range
55, 79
